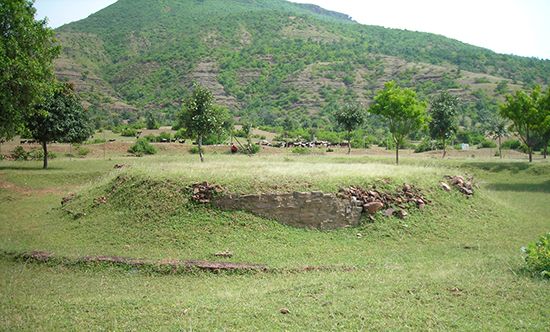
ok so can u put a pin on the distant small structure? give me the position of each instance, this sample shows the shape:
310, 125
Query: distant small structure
465, 146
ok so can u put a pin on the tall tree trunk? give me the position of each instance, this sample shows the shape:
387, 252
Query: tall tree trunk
45, 148
545, 151
200, 148
529, 148
500, 147
444, 149
349, 142
397, 154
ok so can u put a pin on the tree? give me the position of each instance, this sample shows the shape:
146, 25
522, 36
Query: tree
543, 128
350, 117
150, 121
59, 118
200, 117
247, 131
521, 110
497, 128
443, 122
401, 109
27, 49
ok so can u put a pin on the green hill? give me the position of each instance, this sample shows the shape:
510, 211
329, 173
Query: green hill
269, 61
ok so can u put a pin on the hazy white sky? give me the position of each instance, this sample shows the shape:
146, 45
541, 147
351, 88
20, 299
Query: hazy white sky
520, 27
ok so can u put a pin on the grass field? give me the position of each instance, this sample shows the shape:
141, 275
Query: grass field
455, 265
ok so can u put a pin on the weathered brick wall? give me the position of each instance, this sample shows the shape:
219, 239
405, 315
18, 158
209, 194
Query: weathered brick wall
300, 209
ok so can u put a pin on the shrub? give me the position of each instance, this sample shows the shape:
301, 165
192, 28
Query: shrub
180, 134
164, 137
469, 137
82, 151
194, 150
19, 153
128, 132
479, 80
427, 145
37, 154
250, 149
96, 141
141, 147
538, 256
300, 150
150, 138
485, 143
513, 144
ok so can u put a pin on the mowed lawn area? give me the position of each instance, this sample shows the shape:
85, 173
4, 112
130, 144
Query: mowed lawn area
455, 265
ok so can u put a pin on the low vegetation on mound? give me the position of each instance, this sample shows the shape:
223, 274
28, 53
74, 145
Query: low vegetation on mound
144, 211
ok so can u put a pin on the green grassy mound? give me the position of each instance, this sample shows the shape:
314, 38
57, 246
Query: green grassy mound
143, 211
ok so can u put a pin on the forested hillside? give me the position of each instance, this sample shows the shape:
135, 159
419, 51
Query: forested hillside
270, 61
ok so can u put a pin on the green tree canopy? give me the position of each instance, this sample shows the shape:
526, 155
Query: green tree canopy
497, 128
27, 49
543, 127
521, 109
150, 121
443, 123
350, 117
59, 118
401, 109
200, 117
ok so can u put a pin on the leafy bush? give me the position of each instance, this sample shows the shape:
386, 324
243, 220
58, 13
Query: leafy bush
469, 137
513, 144
38, 154
300, 150
538, 256
180, 134
487, 144
164, 137
19, 153
479, 80
141, 147
82, 151
150, 138
194, 150
128, 132
250, 149
96, 141
427, 145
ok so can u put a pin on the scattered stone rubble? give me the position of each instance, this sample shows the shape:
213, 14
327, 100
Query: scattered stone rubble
465, 186
204, 192
67, 198
225, 254
395, 204
100, 200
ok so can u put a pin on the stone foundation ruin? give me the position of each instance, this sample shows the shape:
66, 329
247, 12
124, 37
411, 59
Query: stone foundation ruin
299, 209
316, 209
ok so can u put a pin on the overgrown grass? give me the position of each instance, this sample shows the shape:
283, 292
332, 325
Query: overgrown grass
454, 265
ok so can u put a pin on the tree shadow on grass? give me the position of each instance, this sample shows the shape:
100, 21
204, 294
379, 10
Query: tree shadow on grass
27, 168
513, 167
543, 187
